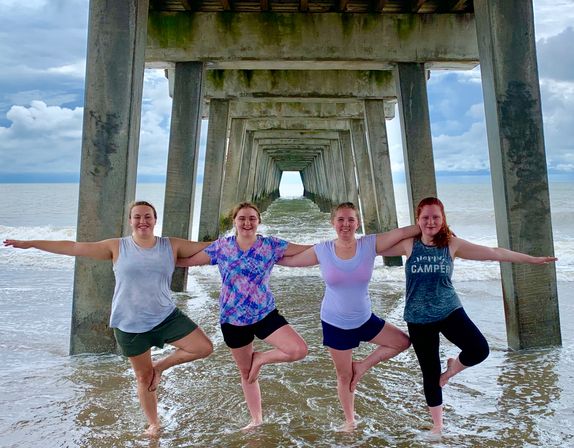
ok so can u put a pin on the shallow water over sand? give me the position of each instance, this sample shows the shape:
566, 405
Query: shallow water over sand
51, 399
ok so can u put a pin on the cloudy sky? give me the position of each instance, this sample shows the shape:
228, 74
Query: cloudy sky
42, 55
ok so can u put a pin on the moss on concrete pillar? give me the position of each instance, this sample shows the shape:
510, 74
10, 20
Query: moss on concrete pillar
110, 139
365, 177
213, 174
416, 133
183, 155
518, 166
382, 174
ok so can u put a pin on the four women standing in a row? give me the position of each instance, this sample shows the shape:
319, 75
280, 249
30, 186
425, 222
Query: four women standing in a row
143, 314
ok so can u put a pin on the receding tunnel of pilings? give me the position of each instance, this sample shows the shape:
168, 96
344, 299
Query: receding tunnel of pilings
311, 161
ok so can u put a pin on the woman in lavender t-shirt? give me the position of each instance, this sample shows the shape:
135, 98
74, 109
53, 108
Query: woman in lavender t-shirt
247, 306
346, 267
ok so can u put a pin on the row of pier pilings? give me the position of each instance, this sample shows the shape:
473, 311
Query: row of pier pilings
297, 103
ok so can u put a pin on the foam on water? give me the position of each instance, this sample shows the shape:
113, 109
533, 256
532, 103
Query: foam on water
52, 399
299, 221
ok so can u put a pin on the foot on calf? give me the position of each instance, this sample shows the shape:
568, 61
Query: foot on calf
255, 368
453, 366
358, 372
155, 380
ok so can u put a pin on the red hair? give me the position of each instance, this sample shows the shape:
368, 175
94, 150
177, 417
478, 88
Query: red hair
442, 238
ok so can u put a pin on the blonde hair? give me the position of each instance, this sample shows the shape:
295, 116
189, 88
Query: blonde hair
343, 205
243, 205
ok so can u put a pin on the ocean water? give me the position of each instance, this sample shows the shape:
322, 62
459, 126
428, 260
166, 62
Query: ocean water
51, 399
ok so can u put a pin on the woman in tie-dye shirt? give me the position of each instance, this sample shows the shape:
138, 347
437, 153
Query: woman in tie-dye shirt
247, 306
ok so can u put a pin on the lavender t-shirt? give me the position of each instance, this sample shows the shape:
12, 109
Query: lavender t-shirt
346, 303
245, 295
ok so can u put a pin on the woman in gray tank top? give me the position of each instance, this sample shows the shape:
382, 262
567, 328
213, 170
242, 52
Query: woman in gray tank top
432, 306
143, 313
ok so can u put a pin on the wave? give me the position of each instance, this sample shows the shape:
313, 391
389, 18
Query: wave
287, 227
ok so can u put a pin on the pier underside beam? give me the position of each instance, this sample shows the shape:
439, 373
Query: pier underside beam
289, 40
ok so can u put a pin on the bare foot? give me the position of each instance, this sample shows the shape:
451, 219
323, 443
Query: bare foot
348, 426
453, 366
153, 431
434, 435
252, 425
155, 379
359, 370
255, 368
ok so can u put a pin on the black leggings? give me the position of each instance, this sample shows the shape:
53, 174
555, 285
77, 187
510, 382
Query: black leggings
458, 329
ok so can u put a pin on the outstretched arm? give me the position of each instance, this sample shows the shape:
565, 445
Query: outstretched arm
306, 258
294, 249
469, 251
387, 240
100, 250
186, 248
199, 259
403, 247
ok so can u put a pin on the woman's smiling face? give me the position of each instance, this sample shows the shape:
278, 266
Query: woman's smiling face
246, 221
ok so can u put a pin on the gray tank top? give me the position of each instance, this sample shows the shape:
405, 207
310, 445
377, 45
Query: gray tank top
142, 296
430, 296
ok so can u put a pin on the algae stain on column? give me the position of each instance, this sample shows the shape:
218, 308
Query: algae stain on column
521, 137
103, 142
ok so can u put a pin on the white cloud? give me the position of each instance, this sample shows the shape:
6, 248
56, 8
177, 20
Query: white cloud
76, 70
41, 138
465, 152
552, 16
43, 51
476, 111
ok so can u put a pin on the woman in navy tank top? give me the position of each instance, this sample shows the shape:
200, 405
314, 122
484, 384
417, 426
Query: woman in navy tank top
432, 306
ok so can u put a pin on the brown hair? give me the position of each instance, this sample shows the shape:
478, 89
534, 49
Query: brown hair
136, 203
243, 205
342, 205
442, 238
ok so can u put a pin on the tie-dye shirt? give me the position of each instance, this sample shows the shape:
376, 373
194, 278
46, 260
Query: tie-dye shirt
245, 295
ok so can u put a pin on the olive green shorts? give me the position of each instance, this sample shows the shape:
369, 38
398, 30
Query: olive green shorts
175, 326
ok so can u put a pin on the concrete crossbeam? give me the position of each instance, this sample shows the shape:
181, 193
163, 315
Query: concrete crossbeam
298, 124
291, 40
296, 133
352, 84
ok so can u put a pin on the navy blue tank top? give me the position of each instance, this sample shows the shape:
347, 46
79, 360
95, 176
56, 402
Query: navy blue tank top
430, 296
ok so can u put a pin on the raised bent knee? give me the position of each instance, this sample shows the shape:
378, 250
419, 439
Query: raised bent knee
298, 352
469, 358
405, 344
206, 349
483, 353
